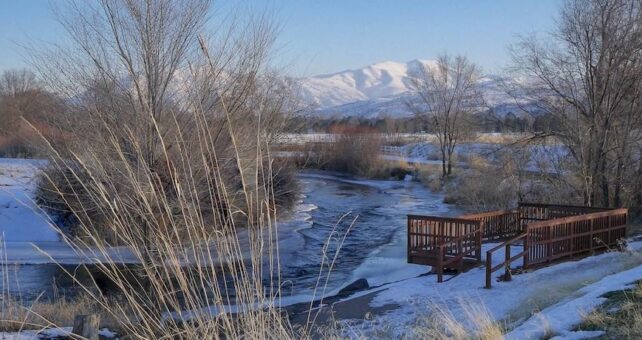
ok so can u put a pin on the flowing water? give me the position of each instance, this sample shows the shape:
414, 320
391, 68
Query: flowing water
366, 219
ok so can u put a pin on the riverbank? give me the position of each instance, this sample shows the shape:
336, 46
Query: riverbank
542, 303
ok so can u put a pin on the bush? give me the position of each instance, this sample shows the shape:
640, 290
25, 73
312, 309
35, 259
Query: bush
355, 152
500, 184
481, 187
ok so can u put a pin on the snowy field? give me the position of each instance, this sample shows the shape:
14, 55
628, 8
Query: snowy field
539, 157
319, 137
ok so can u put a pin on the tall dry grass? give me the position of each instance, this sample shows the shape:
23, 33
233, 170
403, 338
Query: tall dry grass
17, 315
208, 267
476, 323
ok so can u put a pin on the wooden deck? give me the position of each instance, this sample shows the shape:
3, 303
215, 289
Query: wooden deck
547, 233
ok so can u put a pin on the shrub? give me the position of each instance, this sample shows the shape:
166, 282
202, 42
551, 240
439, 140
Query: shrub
355, 152
481, 187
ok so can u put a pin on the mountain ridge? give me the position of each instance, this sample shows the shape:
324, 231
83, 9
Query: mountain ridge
383, 89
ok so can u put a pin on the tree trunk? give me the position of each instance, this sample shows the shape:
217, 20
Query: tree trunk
444, 172
604, 183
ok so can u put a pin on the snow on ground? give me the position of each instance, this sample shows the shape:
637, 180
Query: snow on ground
37, 334
20, 219
61, 332
563, 316
578, 284
27, 234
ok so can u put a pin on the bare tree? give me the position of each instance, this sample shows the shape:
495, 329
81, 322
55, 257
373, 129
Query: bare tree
149, 75
448, 96
24, 99
15, 82
588, 77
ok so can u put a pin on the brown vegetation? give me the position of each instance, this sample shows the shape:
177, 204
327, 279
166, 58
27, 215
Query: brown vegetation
354, 151
169, 156
140, 108
23, 101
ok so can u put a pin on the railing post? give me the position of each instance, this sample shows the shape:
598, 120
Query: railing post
608, 226
527, 249
460, 263
507, 274
440, 264
478, 239
591, 240
489, 266
549, 243
408, 244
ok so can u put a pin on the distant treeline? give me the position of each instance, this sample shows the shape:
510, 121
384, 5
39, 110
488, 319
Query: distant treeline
483, 122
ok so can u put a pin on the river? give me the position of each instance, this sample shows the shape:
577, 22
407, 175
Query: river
371, 212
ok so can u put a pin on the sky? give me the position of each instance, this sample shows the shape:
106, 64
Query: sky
327, 36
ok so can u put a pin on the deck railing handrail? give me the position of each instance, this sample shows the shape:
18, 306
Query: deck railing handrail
439, 241
547, 244
488, 213
577, 218
507, 260
547, 205
441, 219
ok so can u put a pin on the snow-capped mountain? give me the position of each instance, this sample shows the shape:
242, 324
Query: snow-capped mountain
383, 89
380, 80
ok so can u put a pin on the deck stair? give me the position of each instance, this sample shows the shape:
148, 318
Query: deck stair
546, 233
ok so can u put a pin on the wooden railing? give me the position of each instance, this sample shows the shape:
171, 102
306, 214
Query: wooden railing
575, 235
456, 250
443, 241
498, 225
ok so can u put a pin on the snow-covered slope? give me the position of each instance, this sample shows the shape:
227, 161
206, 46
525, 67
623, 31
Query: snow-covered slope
380, 80
383, 89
